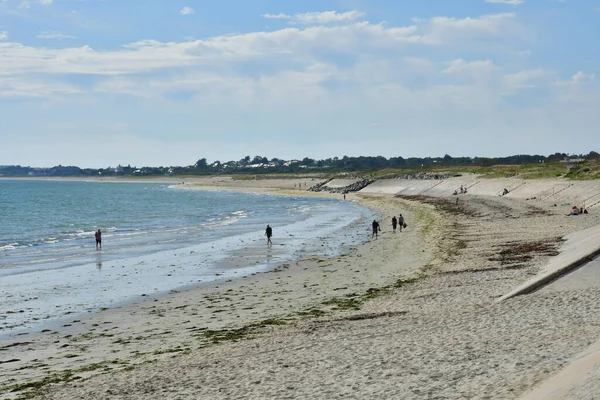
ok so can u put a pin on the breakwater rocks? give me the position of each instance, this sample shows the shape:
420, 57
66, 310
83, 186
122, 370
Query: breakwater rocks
354, 187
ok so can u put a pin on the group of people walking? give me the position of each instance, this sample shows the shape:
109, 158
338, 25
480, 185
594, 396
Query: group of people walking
397, 223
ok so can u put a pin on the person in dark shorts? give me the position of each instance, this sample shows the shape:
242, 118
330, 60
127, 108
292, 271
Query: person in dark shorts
394, 223
401, 223
268, 234
376, 229
98, 239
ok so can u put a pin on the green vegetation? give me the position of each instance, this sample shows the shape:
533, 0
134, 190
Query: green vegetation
225, 335
339, 303
33, 389
526, 166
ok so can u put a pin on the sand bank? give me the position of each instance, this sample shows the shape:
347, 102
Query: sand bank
410, 315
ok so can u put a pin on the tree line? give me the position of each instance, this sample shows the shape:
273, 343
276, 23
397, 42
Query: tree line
263, 165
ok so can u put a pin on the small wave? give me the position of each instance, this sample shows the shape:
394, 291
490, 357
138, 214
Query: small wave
81, 233
223, 221
8, 247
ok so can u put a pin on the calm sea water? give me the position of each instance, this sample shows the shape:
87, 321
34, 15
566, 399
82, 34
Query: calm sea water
155, 239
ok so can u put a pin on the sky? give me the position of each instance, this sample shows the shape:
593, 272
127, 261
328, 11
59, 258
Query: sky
97, 83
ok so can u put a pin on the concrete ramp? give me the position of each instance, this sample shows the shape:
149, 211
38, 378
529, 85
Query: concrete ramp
341, 183
448, 186
531, 189
415, 187
495, 187
582, 194
385, 186
579, 248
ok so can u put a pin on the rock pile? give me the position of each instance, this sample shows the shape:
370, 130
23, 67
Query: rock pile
355, 187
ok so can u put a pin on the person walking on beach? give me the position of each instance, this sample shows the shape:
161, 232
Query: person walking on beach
394, 223
376, 229
98, 239
401, 222
268, 234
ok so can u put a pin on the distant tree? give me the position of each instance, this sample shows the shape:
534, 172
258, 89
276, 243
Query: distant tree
276, 161
201, 164
593, 156
307, 161
259, 160
556, 157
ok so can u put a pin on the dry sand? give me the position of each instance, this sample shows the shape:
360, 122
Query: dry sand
411, 315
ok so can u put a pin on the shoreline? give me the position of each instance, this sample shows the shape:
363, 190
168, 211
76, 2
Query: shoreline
39, 348
452, 250
190, 266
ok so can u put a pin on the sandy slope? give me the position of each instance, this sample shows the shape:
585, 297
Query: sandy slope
439, 337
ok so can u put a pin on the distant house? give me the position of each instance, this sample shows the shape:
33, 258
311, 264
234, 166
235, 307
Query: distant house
572, 164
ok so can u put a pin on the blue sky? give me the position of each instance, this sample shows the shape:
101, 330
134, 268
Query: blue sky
97, 83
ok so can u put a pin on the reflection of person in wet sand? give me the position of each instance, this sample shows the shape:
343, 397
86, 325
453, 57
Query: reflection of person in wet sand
268, 234
98, 239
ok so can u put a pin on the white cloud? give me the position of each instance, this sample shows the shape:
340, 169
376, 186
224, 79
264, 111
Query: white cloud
46, 2
510, 2
527, 79
460, 66
187, 11
581, 77
524, 53
328, 17
314, 18
54, 35
276, 16
206, 68
289, 44
495, 25
3, 35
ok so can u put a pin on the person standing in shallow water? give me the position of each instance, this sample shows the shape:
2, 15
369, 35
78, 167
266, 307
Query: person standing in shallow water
98, 239
376, 229
268, 234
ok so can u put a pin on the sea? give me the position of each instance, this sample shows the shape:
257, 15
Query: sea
156, 238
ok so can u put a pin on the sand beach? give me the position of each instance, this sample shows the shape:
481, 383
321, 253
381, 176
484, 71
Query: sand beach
411, 315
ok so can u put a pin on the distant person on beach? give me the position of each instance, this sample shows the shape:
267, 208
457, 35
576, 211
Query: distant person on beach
505, 192
462, 190
98, 239
376, 229
575, 211
401, 222
394, 223
268, 234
